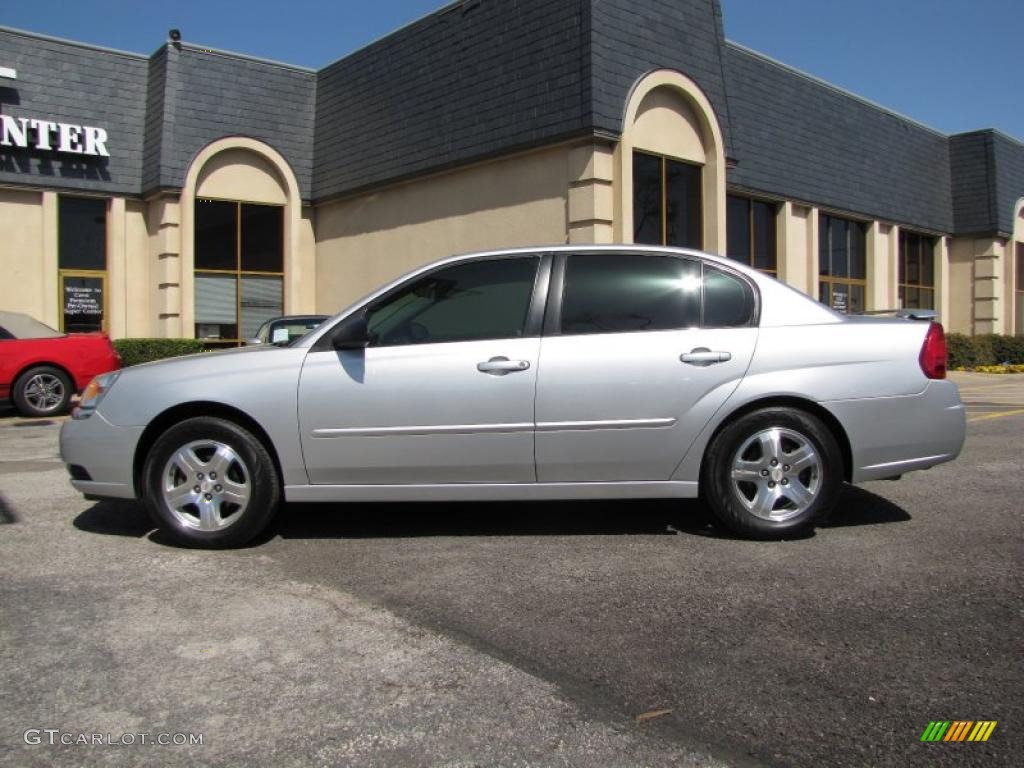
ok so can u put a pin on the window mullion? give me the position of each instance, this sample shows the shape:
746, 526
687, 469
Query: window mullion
238, 270
753, 234
664, 201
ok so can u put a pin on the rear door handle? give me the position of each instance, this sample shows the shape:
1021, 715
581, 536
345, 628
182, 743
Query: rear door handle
702, 356
500, 366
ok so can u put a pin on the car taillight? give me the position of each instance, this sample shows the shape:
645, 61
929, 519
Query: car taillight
933, 352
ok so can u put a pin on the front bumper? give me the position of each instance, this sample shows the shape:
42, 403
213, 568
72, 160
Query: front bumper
893, 435
105, 452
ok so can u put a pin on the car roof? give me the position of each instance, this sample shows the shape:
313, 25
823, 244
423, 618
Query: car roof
22, 326
780, 304
297, 317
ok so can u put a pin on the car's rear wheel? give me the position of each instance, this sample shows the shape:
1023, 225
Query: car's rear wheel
773, 473
210, 483
42, 391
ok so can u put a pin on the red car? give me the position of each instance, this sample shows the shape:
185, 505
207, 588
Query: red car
40, 368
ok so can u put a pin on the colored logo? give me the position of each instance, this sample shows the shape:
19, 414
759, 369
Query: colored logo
958, 730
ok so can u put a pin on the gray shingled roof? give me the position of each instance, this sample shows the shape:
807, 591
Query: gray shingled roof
479, 79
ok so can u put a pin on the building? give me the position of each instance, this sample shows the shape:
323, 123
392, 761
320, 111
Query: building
197, 192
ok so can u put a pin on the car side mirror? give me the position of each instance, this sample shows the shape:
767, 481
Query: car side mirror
353, 333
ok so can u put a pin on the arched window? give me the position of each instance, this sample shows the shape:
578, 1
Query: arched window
239, 268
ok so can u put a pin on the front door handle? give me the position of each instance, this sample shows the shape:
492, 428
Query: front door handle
500, 366
703, 357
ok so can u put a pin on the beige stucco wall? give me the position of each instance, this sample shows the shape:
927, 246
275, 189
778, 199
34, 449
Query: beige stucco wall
794, 246
961, 285
666, 124
591, 193
240, 174
1015, 299
163, 227
363, 242
21, 254
978, 301
139, 320
668, 114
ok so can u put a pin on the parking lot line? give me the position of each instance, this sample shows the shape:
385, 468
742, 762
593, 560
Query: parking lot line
986, 416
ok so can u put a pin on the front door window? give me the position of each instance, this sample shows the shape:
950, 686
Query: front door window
466, 302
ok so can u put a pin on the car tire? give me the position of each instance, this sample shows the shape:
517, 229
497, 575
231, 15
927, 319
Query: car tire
42, 391
210, 483
772, 474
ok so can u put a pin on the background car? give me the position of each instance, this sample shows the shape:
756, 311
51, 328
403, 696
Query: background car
40, 368
285, 330
550, 373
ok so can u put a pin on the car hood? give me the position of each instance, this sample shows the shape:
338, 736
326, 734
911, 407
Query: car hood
241, 378
219, 357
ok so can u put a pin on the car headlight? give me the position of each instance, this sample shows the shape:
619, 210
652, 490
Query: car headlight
93, 394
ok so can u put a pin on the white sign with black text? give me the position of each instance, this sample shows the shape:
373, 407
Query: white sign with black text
48, 136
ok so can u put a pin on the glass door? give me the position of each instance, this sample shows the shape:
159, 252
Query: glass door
82, 301
82, 263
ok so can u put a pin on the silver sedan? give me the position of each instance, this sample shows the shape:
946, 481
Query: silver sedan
551, 373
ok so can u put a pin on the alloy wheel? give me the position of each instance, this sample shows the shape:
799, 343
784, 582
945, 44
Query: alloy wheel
206, 485
777, 474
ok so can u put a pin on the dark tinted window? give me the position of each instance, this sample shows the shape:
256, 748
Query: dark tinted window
858, 251
82, 233
466, 302
667, 206
5, 334
216, 235
262, 238
737, 217
615, 294
683, 203
750, 228
1020, 269
842, 263
728, 300
763, 224
647, 199
916, 270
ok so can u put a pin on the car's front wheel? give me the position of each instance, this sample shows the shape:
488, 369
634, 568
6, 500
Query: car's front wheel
210, 483
42, 391
772, 473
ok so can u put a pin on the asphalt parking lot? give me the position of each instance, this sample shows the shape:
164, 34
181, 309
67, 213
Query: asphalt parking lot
620, 634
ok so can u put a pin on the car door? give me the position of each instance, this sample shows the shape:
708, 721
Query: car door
639, 351
443, 393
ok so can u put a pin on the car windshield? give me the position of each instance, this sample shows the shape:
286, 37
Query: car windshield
18, 326
287, 332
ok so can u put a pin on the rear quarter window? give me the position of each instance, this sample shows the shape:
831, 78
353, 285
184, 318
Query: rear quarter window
728, 300
5, 334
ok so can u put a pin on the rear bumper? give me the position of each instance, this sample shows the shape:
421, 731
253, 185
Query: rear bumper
106, 452
893, 435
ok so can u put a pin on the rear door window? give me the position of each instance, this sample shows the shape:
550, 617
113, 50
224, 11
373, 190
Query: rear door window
619, 293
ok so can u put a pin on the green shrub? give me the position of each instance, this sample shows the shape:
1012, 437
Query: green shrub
960, 351
1005, 349
984, 350
135, 351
